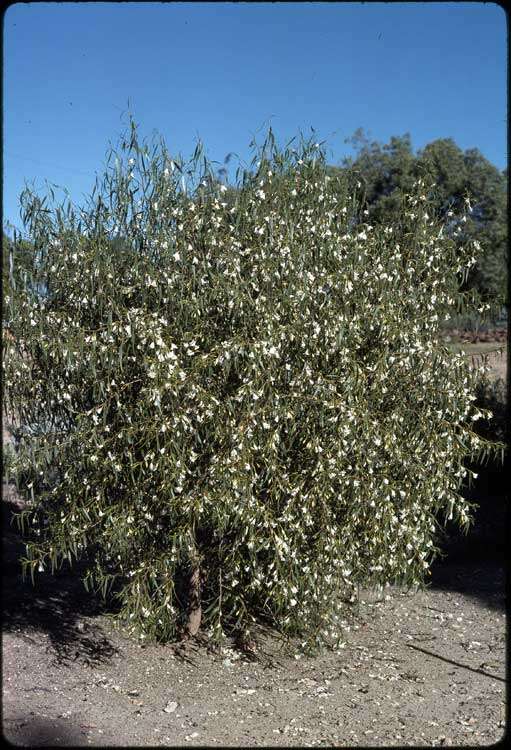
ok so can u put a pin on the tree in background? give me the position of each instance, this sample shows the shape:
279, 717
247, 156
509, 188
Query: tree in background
389, 170
19, 262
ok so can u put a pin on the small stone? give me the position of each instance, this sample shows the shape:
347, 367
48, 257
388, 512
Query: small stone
133, 693
170, 707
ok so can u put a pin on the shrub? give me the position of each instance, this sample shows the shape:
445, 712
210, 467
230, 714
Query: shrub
491, 397
237, 412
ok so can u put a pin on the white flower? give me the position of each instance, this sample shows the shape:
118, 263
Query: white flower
176, 256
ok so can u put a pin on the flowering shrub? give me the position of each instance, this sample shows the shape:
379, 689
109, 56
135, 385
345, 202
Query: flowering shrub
237, 411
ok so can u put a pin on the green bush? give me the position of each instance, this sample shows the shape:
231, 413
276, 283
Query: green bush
235, 412
491, 397
8, 459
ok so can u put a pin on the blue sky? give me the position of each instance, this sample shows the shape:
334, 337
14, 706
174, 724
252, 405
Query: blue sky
223, 71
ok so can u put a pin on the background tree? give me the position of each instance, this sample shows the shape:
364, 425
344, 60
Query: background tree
388, 171
18, 260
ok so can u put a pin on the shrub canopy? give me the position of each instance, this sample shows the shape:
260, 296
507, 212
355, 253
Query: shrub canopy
237, 411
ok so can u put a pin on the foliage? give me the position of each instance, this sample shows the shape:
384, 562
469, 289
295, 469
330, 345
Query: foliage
389, 170
491, 396
18, 262
8, 459
238, 413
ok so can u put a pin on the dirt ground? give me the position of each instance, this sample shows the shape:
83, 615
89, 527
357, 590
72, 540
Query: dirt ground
496, 359
423, 668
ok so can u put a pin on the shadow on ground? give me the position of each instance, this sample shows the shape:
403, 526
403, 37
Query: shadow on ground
36, 731
55, 605
475, 563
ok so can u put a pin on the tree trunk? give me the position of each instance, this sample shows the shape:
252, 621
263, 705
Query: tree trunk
194, 602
